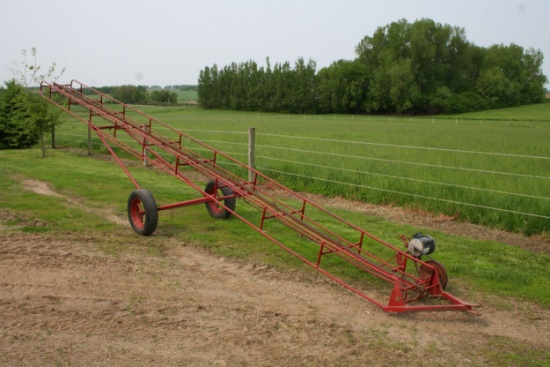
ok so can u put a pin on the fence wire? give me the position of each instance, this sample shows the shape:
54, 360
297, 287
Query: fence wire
79, 139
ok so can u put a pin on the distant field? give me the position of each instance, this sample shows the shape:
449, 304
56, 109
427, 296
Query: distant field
480, 167
186, 95
534, 112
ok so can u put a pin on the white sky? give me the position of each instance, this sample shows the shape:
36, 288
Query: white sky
165, 42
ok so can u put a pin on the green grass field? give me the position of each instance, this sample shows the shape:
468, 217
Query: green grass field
186, 95
485, 266
491, 168
322, 154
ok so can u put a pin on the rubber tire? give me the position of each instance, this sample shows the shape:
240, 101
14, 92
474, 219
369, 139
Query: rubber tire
439, 269
213, 208
142, 212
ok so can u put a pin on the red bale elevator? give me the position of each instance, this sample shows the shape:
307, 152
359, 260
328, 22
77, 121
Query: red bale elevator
413, 284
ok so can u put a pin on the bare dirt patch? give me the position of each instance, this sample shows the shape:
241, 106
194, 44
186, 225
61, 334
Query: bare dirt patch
63, 301
39, 187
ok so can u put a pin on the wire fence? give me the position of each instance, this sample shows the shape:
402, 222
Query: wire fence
288, 160
250, 116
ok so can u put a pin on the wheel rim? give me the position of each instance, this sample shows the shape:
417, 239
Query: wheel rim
426, 272
137, 212
214, 206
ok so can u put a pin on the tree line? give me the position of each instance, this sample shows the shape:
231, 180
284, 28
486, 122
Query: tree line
132, 94
403, 68
140, 94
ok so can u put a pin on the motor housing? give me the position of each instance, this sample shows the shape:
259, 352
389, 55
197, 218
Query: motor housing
421, 244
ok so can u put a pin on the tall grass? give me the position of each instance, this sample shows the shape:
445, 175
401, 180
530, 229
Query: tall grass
476, 167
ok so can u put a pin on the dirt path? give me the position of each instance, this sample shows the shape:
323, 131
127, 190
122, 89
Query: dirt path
65, 300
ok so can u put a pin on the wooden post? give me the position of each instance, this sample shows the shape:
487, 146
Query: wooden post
145, 156
251, 152
89, 141
53, 136
145, 150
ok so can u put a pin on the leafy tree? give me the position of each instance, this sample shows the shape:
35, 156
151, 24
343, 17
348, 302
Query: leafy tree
305, 86
495, 87
205, 88
28, 73
427, 67
163, 97
342, 87
44, 116
533, 80
131, 94
403, 88
26, 117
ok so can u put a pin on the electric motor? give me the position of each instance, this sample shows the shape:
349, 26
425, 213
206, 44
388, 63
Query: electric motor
421, 244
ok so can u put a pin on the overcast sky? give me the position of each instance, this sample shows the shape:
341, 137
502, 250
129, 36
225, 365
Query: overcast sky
166, 42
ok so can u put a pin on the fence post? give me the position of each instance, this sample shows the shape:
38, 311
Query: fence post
53, 136
89, 141
145, 150
251, 152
